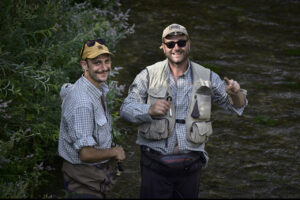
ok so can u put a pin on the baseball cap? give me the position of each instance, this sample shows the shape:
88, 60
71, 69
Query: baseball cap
174, 28
93, 48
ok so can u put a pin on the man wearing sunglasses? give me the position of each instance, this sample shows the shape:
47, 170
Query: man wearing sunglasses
85, 139
171, 102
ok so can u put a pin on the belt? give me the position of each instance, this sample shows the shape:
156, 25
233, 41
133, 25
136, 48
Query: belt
180, 121
102, 165
148, 149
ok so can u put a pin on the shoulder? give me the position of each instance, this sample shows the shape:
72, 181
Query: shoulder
198, 66
157, 69
157, 65
65, 89
143, 76
79, 97
200, 71
215, 78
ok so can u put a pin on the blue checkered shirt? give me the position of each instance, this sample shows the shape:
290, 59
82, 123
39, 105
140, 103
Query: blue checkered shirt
135, 110
84, 122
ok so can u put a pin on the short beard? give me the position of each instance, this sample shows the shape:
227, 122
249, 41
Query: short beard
186, 55
179, 62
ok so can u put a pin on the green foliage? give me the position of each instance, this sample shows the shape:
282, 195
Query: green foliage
40, 43
14, 190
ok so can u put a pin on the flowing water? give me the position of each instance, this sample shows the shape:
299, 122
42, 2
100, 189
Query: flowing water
255, 42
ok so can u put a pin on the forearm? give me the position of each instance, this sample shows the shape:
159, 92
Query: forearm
223, 99
238, 100
92, 155
135, 112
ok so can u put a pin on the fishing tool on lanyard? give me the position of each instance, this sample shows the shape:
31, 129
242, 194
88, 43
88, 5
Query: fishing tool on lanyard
119, 165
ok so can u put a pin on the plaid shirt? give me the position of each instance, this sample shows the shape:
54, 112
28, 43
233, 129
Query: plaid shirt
83, 120
135, 110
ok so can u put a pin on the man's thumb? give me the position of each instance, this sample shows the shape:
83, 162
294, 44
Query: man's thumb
226, 80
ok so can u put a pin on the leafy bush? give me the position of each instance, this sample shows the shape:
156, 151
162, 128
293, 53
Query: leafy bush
40, 43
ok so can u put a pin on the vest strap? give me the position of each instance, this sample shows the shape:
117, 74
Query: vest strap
180, 121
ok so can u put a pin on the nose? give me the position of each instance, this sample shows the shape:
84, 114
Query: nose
106, 66
176, 47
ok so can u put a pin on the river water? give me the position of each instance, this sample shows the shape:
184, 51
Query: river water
255, 42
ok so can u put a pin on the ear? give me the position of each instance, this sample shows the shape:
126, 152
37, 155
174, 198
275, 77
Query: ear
84, 65
162, 47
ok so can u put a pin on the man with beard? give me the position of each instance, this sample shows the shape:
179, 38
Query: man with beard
85, 139
171, 101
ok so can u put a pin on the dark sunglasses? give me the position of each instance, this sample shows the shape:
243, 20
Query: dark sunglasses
180, 43
91, 43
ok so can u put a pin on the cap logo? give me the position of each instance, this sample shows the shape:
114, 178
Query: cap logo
100, 47
174, 27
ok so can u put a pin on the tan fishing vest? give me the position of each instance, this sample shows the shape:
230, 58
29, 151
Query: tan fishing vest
198, 124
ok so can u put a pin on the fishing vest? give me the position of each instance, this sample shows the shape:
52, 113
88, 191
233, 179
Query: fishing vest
197, 121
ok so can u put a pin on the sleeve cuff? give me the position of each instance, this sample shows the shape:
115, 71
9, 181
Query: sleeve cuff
145, 117
243, 91
84, 142
240, 110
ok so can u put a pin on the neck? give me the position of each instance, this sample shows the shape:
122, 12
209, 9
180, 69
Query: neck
178, 69
96, 84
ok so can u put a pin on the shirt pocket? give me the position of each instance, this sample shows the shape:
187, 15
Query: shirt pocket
101, 125
100, 119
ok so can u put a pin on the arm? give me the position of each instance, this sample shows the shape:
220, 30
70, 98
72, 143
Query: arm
84, 140
91, 154
233, 89
235, 102
134, 108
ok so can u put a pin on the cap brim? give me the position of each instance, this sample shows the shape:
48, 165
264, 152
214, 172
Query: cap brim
94, 55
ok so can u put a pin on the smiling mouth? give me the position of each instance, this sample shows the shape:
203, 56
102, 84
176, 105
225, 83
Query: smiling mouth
103, 72
177, 54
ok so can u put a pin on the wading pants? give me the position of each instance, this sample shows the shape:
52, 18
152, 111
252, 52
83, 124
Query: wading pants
88, 181
160, 180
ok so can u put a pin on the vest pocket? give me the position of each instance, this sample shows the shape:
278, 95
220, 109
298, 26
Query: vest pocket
156, 93
156, 130
202, 102
200, 132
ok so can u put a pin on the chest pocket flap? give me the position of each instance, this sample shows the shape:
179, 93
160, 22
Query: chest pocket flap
100, 118
158, 93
